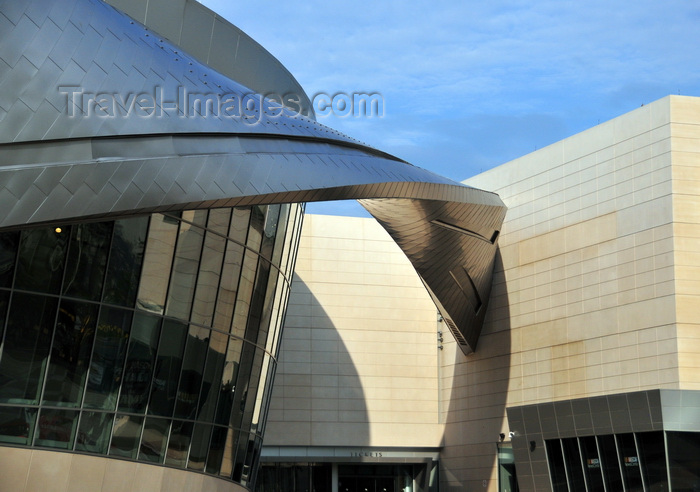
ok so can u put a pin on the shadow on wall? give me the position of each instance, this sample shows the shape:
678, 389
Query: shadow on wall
475, 395
317, 399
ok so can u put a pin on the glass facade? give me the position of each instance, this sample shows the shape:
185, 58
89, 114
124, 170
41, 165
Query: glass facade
319, 477
151, 338
631, 462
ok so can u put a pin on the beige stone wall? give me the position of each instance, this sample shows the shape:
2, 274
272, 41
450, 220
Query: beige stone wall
35, 470
358, 360
595, 292
685, 129
584, 295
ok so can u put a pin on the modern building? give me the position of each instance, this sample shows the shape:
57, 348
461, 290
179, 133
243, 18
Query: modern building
151, 189
587, 372
152, 183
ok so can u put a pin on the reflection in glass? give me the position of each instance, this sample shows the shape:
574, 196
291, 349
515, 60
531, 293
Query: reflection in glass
70, 353
251, 392
29, 329
179, 444
281, 233
254, 331
630, 462
611, 467
125, 260
507, 478
138, 370
17, 425
154, 440
8, 252
126, 436
591, 463
4, 304
107, 362
241, 465
652, 456
42, 254
200, 446
73, 352
229, 453
228, 286
240, 396
269, 231
266, 379
56, 428
158, 258
216, 449
87, 260
94, 432
186, 265
256, 226
209, 272
167, 371
211, 384
245, 292
191, 377
228, 381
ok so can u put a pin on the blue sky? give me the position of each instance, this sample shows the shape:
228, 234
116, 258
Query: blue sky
470, 85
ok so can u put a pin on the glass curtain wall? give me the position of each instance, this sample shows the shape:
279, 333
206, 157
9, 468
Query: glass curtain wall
151, 338
633, 462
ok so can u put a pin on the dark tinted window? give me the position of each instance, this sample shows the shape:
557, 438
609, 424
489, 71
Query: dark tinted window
591, 463
684, 460
87, 260
107, 364
154, 440
8, 253
42, 256
630, 462
557, 471
70, 353
126, 436
140, 361
29, 331
125, 259
94, 432
608, 458
652, 455
56, 428
167, 370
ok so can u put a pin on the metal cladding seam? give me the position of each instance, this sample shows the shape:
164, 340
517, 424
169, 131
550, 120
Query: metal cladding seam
115, 149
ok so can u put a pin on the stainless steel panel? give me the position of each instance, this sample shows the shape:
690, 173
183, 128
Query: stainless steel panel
139, 164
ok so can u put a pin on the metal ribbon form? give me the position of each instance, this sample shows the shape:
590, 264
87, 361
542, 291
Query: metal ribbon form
101, 117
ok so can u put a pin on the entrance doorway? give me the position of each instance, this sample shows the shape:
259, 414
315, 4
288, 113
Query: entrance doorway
375, 478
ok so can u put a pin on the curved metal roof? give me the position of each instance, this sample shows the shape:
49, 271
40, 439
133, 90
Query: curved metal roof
114, 159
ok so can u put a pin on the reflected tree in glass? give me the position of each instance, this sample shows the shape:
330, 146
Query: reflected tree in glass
70, 353
94, 432
140, 361
107, 364
125, 436
125, 259
87, 260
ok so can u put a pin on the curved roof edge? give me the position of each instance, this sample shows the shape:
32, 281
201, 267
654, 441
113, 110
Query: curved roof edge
118, 157
448, 231
217, 43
